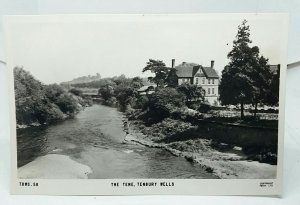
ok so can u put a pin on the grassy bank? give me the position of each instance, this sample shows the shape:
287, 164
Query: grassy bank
197, 136
221, 163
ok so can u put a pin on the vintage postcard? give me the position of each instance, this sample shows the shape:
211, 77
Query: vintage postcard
147, 104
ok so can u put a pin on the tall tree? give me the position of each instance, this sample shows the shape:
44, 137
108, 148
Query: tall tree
247, 77
160, 70
236, 86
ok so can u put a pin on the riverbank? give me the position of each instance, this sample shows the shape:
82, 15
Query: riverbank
50, 167
227, 164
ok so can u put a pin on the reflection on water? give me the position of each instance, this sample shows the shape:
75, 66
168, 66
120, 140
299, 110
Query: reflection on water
94, 138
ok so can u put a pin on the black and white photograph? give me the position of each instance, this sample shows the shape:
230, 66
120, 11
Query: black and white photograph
141, 97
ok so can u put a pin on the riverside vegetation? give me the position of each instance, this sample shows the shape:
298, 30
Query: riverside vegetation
176, 117
38, 104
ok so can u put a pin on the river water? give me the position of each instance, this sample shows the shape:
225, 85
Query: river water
94, 138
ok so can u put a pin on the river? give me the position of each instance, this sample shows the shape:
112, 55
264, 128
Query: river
94, 138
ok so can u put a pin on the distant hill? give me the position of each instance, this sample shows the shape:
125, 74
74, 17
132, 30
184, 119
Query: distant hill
83, 79
93, 82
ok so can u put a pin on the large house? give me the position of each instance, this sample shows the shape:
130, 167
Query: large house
206, 77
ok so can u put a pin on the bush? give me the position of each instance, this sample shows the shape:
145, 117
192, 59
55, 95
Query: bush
106, 92
124, 95
142, 102
38, 103
162, 102
76, 91
191, 92
172, 129
204, 108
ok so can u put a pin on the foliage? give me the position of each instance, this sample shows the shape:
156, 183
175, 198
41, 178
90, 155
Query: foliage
142, 102
162, 102
125, 95
120, 89
106, 92
65, 101
160, 70
170, 128
38, 103
172, 79
204, 108
76, 91
191, 92
272, 97
136, 83
246, 79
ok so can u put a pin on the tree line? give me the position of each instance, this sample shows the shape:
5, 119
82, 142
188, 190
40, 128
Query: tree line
43, 104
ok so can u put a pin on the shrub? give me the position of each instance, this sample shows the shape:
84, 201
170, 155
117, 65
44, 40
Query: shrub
172, 129
76, 91
204, 108
38, 103
162, 102
106, 92
191, 92
142, 102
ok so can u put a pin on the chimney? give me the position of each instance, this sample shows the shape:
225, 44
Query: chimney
212, 63
173, 63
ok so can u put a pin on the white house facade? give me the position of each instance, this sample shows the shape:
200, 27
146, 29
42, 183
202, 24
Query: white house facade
196, 74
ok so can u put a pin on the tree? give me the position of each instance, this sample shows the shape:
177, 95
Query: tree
124, 95
106, 92
38, 103
160, 70
272, 97
191, 92
137, 82
172, 79
163, 101
245, 78
261, 77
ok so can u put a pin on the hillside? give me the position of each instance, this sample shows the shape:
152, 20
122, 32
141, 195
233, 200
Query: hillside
83, 79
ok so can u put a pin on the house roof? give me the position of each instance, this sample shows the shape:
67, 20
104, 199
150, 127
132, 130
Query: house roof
189, 70
210, 72
186, 70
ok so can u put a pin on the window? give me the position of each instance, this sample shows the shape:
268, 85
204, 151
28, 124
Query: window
208, 91
212, 91
203, 81
213, 81
208, 81
197, 81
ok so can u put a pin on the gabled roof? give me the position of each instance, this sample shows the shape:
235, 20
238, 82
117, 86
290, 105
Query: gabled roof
210, 72
186, 70
189, 70
200, 75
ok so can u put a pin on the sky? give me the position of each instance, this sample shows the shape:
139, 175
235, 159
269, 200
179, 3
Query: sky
60, 48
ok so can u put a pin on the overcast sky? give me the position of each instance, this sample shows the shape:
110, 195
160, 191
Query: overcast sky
59, 48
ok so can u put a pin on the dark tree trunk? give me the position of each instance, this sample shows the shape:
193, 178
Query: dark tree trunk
242, 110
255, 109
